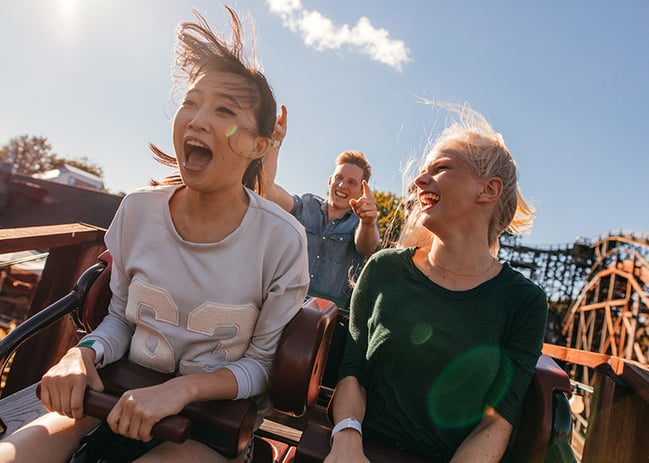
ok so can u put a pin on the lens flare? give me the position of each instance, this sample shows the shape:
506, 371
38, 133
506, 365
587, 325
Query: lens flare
420, 333
231, 131
469, 387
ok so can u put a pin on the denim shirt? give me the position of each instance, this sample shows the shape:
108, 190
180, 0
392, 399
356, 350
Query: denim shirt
333, 258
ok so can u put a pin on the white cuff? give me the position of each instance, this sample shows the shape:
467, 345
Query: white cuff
99, 353
97, 346
345, 424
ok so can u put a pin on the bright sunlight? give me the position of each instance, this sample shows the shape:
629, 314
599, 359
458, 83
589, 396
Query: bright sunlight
68, 8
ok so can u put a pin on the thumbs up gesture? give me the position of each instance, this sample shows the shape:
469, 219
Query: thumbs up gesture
365, 207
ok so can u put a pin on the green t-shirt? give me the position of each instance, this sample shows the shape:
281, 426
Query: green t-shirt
432, 360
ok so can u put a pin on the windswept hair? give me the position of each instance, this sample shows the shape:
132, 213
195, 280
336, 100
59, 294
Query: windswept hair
199, 50
473, 137
358, 159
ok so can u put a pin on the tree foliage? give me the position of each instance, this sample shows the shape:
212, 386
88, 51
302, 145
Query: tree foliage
390, 216
29, 155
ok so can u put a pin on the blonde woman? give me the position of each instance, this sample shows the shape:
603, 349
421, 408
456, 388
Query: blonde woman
444, 338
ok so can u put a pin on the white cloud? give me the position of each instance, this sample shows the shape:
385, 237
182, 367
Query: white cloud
322, 34
284, 6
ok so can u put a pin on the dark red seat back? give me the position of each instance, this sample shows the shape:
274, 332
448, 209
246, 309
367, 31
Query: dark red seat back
302, 356
532, 434
95, 303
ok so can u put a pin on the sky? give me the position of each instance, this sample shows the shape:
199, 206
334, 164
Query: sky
565, 82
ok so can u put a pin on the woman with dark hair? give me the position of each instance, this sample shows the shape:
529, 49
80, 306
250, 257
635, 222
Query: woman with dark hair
179, 305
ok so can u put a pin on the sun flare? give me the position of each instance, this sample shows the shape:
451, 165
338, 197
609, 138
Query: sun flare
68, 8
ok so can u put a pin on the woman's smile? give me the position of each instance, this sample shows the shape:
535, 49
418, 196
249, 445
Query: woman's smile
428, 199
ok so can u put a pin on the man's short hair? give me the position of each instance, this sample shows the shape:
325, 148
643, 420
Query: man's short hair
358, 159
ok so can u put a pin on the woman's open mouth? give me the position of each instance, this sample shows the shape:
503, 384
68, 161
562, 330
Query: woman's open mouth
197, 155
428, 199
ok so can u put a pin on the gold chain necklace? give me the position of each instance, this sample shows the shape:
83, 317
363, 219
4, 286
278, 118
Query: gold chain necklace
465, 275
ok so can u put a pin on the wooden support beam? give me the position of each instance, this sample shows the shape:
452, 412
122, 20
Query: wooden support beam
617, 417
72, 248
46, 237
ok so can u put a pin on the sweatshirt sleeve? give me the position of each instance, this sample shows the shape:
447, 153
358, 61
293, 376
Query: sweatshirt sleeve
284, 298
115, 331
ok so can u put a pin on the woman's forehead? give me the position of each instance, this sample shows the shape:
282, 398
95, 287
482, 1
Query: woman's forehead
226, 85
447, 149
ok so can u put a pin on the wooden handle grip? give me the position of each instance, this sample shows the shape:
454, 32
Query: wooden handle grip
174, 428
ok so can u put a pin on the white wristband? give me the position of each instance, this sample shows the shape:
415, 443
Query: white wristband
345, 424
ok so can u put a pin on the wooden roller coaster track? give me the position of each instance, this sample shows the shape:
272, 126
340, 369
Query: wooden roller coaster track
599, 302
599, 290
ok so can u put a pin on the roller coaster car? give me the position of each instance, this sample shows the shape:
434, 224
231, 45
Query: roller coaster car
542, 434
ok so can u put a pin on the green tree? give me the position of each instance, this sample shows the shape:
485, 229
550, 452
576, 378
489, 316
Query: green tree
390, 217
28, 154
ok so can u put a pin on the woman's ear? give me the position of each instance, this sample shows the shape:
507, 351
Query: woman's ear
261, 146
491, 190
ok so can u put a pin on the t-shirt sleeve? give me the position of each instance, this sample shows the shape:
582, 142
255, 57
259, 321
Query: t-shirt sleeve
521, 351
298, 207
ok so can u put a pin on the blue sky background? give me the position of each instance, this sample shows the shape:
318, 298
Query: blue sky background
565, 82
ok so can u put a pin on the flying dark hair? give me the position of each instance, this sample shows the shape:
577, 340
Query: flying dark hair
199, 50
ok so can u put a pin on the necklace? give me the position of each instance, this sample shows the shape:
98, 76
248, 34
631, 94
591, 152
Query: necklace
465, 275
